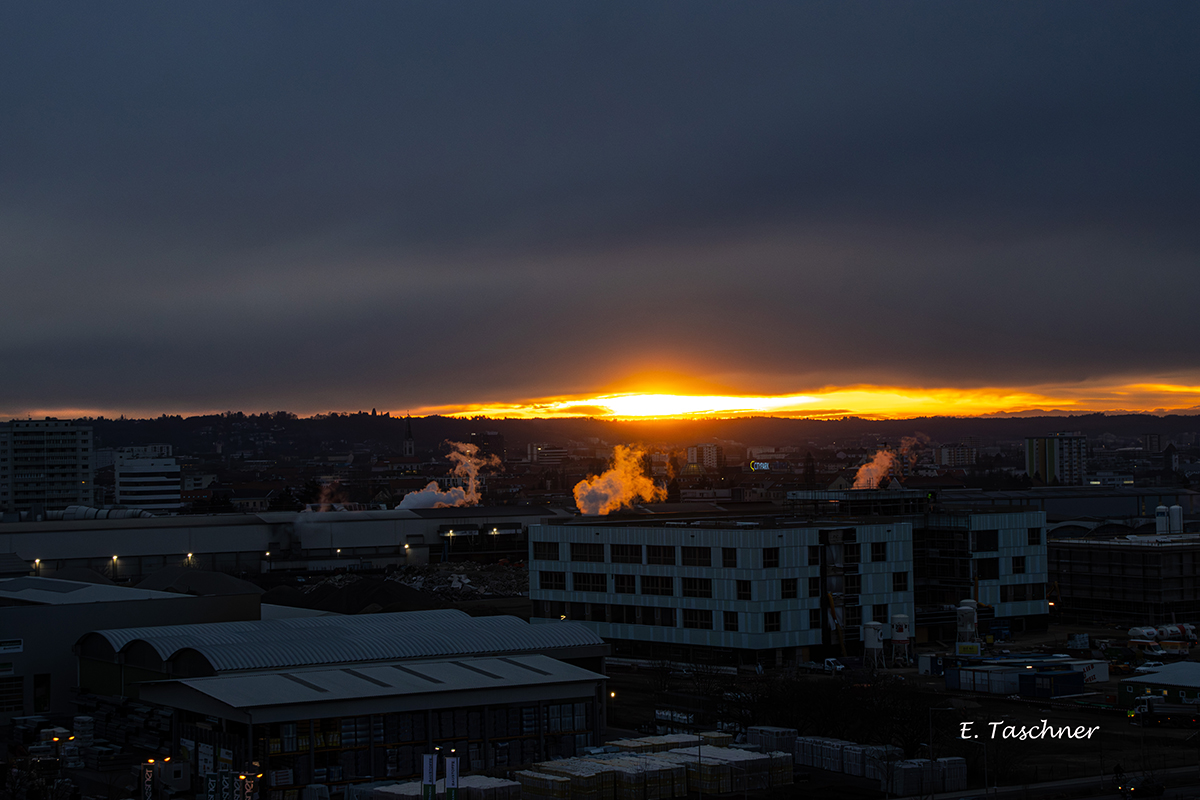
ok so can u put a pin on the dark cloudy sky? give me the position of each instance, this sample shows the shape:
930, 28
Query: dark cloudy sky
319, 206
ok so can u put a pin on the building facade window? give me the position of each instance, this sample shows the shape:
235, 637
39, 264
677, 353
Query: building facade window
587, 552
879, 551
770, 557
987, 569
697, 556
879, 613
552, 581
589, 582
899, 581
854, 583
788, 588
625, 584
772, 621
662, 585
814, 555
744, 591
1035, 537
854, 616
660, 554
1018, 565
850, 553
814, 619
729, 557
985, 541
814, 587
697, 618
623, 615
626, 553
545, 551
696, 587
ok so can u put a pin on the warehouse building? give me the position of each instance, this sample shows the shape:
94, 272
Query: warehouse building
129, 548
42, 618
1174, 683
340, 700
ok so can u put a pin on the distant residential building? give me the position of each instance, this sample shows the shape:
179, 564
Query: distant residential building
709, 456
151, 484
1059, 459
45, 465
490, 443
956, 455
1152, 443
546, 455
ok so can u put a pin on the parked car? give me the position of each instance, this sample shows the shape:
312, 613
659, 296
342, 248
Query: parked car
1141, 786
1149, 666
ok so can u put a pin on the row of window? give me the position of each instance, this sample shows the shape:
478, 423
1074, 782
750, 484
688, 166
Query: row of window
664, 585
694, 618
988, 569
689, 556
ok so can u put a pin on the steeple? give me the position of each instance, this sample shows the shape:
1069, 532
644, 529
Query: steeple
410, 446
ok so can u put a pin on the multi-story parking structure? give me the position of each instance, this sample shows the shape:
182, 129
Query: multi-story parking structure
763, 591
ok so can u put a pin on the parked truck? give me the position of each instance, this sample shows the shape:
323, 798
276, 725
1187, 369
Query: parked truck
1154, 712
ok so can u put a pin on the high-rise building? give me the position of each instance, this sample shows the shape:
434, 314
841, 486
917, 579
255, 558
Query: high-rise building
709, 456
1059, 459
45, 465
151, 484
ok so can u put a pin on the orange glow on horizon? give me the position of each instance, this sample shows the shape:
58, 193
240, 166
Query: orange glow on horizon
879, 402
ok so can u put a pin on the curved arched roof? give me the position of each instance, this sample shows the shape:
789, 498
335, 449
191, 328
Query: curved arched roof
310, 641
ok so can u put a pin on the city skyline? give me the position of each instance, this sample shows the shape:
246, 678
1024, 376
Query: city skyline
800, 209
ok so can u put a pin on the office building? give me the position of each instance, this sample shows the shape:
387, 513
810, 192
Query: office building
45, 465
759, 591
152, 484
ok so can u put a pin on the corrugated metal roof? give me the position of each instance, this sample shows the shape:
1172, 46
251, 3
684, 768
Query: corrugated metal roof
301, 641
380, 680
1181, 673
51, 591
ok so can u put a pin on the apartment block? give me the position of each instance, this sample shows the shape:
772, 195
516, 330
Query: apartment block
45, 465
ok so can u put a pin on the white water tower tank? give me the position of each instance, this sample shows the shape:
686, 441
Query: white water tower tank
900, 629
873, 635
1175, 514
1162, 524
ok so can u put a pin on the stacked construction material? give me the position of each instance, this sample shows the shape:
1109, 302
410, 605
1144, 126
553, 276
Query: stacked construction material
781, 768
748, 770
831, 754
878, 758
672, 774
953, 774
922, 776
541, 786
716, 738
771, 739
705, 775
470, 787
589, 780
85, 731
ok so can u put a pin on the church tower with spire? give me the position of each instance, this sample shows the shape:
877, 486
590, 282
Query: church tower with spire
410, 445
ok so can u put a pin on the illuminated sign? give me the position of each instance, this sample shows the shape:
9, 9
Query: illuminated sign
759, 466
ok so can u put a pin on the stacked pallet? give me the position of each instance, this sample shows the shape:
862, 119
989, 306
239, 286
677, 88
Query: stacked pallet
953, 774
541, 786
716, 738
781, 768
878, 758
589, 780
772, 739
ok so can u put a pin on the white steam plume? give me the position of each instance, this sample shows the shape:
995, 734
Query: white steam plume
618, 486
467, 464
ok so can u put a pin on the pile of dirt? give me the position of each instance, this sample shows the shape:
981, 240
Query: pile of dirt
456, 581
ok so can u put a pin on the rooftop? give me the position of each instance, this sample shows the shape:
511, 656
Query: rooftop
1181, 673
51, 591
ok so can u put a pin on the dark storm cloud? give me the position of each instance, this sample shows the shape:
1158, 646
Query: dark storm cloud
229, 205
